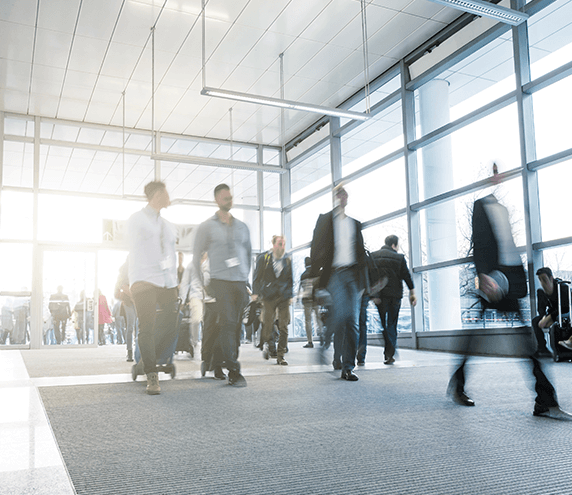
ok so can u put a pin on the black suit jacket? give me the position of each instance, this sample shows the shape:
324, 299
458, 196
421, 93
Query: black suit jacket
322, 251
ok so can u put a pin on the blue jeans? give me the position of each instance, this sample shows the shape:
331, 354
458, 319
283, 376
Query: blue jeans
362, 344
344, 315
388, 310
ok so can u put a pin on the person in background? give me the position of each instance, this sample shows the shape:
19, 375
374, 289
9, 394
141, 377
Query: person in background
105, 317
123, 294
306, 294
180, 268
60, 310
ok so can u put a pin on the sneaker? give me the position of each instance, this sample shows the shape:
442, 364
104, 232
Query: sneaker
153, 384
551, 412
130, 356
236, 379
566, 343
265, 352
309, 345
219, 374
282, 361
389, 360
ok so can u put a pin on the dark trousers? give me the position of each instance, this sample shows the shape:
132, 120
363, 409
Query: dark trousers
388, 310
231, 299
539, 334
211, 352
545, 393
362, 342
60, 329
148, 298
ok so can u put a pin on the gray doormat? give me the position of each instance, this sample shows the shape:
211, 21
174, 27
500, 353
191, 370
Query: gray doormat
393, 432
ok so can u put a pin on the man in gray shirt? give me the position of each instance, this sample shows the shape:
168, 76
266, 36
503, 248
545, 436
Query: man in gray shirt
227, 242
153, 277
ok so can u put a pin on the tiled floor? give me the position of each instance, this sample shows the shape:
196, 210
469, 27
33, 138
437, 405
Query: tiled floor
30, 460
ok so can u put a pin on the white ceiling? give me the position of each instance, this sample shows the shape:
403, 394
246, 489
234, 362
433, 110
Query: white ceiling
72, 59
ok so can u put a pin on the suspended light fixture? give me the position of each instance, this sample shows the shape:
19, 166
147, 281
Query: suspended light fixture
486, 9
267, 100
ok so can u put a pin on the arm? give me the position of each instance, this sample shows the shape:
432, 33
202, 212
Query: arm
406, 276
257, 279
199, 248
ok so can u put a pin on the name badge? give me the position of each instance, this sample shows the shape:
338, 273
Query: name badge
232, 262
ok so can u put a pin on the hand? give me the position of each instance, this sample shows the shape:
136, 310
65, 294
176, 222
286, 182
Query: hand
254, 297
545, 322
412, 299
489, 287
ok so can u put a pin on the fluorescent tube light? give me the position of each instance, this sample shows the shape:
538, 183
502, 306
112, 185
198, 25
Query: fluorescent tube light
486, 9
288, 104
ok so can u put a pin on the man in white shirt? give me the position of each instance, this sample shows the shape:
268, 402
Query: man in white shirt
153, 277
338, 258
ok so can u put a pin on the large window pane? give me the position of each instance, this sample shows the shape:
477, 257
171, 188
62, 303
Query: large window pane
272, 226
554, 197
311, 175
372, 140
374, 237
559, 260
305, 217
75, 219
271, 189
473, 149
377, 193
479, 78
446, 228
18, 166
16, 267
550, 38
552, 108
16, 215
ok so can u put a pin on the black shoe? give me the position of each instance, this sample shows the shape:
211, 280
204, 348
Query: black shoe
337, 365
551, 412
219, 374
282, 361
361, 363
461, 398
129, 356
236, 379
350, 376
389, 360
309, 345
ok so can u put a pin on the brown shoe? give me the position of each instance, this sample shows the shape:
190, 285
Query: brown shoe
153, 384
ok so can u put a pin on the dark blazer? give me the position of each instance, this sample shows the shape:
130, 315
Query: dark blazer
265, 283
486, 256
322, 251
392, 264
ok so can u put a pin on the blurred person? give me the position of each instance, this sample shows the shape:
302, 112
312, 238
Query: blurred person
547, 307
338, 259
273, 286
502, 282
123, 294
152, 275
60, 310
180, 268
84, 319
306, 293
227, 242
388, 301
104, 317
362, 340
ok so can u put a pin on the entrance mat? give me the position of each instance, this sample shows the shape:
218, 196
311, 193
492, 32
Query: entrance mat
392, 432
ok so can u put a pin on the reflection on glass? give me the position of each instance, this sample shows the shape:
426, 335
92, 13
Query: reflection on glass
15, 320
311, 175
18, 165
554, 196
271, 189
16, 215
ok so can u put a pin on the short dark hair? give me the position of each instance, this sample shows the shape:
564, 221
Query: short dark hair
152, 188
391, 240
544, 271
220, 187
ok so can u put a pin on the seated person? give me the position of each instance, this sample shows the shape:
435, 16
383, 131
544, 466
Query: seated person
547, 301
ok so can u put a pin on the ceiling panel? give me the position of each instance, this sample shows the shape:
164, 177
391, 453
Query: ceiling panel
52, 48
97, 21
261, 12
237, 43
16, 41
134, 24
58, 15
14, 75
327, 59
335, 17
121, 60
298, 16
87, 54
265, 54
394, 32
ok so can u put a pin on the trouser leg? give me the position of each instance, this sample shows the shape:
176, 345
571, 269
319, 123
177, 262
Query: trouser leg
539, 334
308, 320
283, 322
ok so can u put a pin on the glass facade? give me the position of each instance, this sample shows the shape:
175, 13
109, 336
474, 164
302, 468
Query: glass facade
407, 172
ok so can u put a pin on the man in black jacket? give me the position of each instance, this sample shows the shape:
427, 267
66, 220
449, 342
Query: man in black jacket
502, 282
338, 258
388, 301
273, 284
547, 305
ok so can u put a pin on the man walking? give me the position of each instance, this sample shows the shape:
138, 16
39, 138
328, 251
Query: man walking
227, 242
273, 285
388, 301
153, 277
338, 258
60, 310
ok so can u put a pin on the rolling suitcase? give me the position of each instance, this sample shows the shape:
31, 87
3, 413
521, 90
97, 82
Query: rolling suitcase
166, 338
561, 329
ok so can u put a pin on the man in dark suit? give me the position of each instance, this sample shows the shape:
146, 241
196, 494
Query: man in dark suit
273, 285
338, 258
502, 282
388, 301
